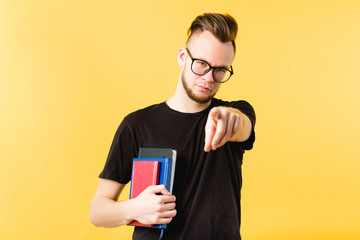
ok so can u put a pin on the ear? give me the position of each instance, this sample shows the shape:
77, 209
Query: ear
181, 57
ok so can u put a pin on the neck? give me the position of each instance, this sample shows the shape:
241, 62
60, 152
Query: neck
181, 102
189, 107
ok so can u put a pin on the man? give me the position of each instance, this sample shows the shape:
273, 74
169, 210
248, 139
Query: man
210, 136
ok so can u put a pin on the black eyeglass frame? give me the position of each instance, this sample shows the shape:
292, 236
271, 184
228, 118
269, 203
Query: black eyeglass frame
210, 67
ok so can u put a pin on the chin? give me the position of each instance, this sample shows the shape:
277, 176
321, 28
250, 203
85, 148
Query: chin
201, 97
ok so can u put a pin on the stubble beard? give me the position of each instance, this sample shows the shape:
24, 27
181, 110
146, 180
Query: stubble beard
191, 94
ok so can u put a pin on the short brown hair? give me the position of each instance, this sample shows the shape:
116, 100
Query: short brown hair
223, 26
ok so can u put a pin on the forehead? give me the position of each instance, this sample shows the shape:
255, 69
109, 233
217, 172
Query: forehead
204, 45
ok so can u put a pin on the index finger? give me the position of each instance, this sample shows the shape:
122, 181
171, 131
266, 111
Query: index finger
210, 128
167, 198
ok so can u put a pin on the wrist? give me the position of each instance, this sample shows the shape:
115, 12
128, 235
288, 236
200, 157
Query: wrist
126, 209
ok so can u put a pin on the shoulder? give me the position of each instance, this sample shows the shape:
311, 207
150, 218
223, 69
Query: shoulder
144, 111
147, 109
136, 118
236, 104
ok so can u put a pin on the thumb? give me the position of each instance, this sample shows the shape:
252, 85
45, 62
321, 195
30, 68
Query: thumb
158, 189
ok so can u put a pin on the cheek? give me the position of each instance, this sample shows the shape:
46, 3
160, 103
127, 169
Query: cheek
189, 76
217, 86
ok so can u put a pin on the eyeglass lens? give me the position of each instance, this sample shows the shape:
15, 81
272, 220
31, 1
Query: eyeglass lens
220, 74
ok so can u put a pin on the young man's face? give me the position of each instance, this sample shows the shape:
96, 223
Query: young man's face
205, 46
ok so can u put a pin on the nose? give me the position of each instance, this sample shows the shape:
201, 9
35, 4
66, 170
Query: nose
208, 77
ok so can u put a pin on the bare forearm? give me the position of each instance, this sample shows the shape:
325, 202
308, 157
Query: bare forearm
105, 212
155, 205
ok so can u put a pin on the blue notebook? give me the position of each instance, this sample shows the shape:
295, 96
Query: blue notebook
166, 177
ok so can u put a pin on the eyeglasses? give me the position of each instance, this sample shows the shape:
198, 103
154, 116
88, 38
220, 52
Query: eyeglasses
200, 67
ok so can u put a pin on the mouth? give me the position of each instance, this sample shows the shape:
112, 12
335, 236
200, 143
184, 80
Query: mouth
204, 88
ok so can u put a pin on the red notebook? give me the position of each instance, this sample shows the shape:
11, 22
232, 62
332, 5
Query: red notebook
144, 174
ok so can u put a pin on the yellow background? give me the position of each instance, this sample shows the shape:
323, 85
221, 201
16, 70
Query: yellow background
71, 70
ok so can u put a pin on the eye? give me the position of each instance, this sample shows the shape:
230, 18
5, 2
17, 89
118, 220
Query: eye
203, 64
221, 70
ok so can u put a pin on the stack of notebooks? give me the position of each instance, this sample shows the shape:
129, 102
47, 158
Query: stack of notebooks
154, 166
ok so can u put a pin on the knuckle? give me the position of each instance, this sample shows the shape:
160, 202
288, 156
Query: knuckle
156, 218
158, 201
157, 208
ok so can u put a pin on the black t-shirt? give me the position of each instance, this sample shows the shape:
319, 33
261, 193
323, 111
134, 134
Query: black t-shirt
206, 185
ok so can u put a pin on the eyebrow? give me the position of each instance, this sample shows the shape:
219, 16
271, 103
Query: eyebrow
223, 66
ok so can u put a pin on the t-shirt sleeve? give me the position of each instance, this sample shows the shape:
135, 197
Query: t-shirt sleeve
118, 165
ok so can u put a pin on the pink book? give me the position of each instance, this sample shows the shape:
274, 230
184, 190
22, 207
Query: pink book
144, 174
